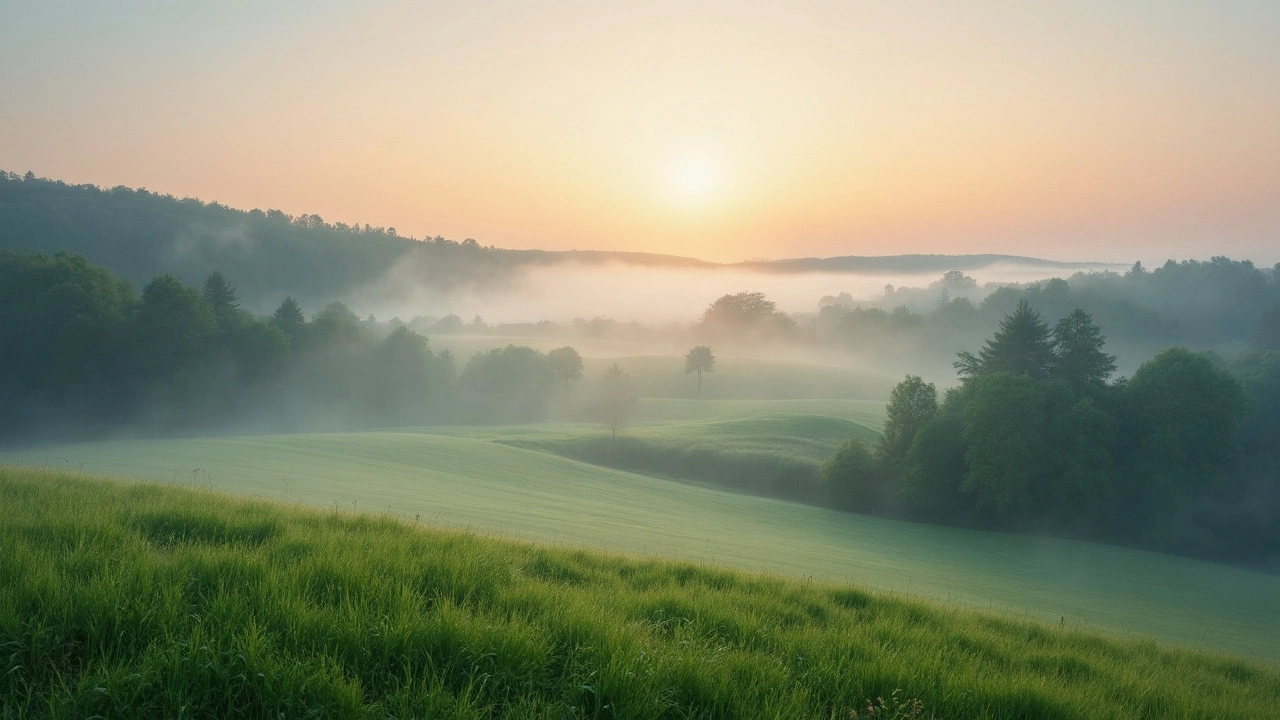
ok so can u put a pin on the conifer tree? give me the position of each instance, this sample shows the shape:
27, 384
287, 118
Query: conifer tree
1077, 352
1021, 346
220, 296
289, 318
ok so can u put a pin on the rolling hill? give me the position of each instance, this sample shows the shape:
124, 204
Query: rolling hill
456, 481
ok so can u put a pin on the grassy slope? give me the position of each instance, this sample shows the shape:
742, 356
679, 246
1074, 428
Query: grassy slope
810, 438
124, 600
463, 482
778, 454
663, 411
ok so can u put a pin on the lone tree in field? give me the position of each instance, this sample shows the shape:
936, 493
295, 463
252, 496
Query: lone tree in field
699, 360
617, 399
567, 363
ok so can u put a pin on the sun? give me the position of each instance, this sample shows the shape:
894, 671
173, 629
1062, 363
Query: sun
694, 178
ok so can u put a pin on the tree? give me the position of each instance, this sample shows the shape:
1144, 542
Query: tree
260, 350
852, 478
699, 360
930, 485
1077, 353
446, 367
1021, 347
513, 384
172, 327
912, 403
954, 284
617, 399
1266, 334
449, 325
289, 318
1181, 418
744, 313
221, 297
401, 384
740, 309
335, 327
1005, 429
567, 364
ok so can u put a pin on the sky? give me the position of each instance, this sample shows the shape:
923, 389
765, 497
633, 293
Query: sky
1083, 130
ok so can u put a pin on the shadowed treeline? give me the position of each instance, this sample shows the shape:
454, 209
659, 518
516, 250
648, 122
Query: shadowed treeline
1039, 437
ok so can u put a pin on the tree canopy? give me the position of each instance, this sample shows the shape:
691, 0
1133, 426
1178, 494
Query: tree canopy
1021, 346
567, 364
1077, 353
617, 399
698, 360
1181, 457
912, 404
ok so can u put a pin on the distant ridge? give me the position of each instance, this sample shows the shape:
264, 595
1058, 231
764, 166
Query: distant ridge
906, 263
140, 234
913, 263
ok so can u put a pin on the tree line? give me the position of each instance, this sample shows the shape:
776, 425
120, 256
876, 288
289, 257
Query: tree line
82, 354
141, 234
1038, 436
1205, 305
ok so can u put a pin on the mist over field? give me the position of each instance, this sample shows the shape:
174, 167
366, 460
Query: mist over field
681, 359
653, 295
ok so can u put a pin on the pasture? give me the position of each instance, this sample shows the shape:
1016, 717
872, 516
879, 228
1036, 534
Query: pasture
128, 600
451, 480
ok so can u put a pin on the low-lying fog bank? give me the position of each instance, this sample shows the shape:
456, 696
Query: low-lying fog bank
653, 295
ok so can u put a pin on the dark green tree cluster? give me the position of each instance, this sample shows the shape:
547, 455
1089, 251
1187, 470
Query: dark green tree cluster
1194, 304
81, 353
1180, 457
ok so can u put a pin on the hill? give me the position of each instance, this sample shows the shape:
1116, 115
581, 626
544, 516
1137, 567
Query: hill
119, 600
915, 263
269, 254
462, 481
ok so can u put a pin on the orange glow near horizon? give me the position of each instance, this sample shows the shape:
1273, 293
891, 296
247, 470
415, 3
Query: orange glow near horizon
719, 130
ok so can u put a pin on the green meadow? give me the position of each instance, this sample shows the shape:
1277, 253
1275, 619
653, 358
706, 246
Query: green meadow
473, 479
138, 600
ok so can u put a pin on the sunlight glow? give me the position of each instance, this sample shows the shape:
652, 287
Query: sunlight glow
694, 178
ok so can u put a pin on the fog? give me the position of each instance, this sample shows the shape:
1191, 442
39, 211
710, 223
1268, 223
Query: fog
651, 295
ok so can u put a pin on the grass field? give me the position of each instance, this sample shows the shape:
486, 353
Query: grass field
663, 376
464, 482
737, 375
128, 600
664, 411
776, 454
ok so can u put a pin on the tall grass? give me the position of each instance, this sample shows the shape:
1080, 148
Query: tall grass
129, 600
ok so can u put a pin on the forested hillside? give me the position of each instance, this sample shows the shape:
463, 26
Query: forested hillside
140, 234
1215, 305
82, 354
